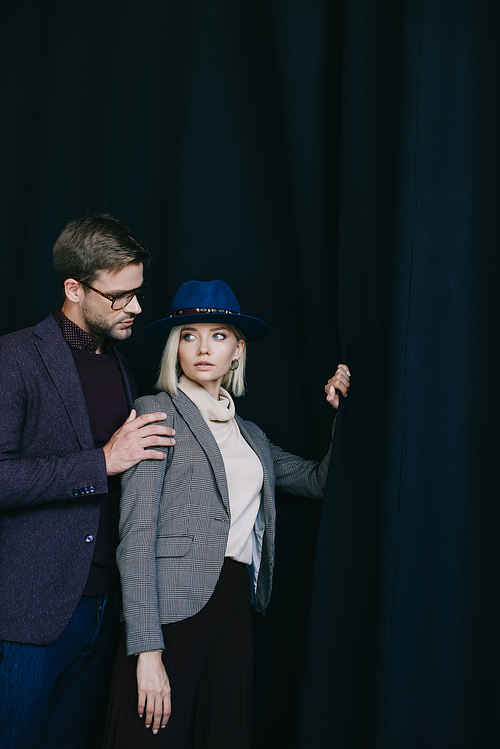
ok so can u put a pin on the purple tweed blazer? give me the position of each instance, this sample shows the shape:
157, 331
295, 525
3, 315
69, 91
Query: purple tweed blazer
51, 477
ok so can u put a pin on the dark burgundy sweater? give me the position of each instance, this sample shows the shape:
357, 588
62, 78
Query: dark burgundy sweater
107, 407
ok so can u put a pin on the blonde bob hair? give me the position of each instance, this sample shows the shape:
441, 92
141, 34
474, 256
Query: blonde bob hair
170, 371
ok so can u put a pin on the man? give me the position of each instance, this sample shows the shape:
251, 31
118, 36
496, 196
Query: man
67, 433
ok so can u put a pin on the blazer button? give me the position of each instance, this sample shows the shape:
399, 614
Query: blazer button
91, 489
75, 492
89, 539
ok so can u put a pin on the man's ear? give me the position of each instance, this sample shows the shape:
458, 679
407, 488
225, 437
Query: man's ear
73, 290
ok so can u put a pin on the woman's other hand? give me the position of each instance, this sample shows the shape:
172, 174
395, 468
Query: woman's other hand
153, 688
339, 383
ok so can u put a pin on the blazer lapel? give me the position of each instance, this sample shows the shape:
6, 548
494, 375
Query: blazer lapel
57, 358
207, 441
128, 381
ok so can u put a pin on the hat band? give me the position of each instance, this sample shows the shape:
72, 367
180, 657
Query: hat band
202, 311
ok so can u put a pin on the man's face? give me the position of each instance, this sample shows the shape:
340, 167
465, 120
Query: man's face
97, 316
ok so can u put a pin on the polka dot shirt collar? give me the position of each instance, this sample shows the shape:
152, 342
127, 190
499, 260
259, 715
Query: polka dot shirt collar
78, 338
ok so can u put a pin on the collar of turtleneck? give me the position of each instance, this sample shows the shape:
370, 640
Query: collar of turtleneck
214, 412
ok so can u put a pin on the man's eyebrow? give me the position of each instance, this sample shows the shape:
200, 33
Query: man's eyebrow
120, 292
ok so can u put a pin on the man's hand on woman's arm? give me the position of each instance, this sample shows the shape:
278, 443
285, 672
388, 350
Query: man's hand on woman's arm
135, 440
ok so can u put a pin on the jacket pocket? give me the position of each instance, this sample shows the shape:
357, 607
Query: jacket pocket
173, 546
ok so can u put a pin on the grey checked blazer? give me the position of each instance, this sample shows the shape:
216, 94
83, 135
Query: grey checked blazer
175, 519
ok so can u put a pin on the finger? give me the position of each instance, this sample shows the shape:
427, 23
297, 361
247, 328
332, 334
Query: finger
149, 712
341, 374
131, 416
149, 418
155, 441
341, 385
341, 388
141, 703
333, 397
152, 429
345, 368
329, 384
167, 709
336, 382
153, 455
158, 714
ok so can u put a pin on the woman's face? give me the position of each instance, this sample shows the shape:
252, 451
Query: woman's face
206, 351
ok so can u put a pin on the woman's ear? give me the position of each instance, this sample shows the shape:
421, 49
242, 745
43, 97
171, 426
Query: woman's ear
239, 349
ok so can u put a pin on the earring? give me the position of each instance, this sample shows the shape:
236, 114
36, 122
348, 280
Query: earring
234, 362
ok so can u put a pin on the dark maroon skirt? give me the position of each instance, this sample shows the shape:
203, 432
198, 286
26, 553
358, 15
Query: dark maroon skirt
209, 660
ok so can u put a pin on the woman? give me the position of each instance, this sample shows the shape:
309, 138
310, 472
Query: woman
191, 528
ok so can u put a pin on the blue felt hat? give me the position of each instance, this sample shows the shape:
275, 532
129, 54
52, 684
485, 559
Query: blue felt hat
207, 301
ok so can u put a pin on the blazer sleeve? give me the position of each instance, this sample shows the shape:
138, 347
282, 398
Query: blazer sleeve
136, 555
295, 475
29, 481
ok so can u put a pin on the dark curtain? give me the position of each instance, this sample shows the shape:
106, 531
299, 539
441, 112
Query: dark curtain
336, 163
403, 647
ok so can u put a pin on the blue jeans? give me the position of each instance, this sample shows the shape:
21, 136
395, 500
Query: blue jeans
50, 695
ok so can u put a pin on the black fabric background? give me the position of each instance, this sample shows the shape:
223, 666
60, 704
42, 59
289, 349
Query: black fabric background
336, 162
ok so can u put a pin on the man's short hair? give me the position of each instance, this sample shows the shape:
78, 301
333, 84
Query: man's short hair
94, 243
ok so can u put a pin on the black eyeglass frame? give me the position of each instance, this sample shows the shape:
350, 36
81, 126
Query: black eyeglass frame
140, 293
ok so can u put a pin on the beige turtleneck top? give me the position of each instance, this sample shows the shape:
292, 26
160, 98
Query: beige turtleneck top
243, 468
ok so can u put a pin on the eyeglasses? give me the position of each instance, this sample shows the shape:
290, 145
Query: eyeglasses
119, 301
